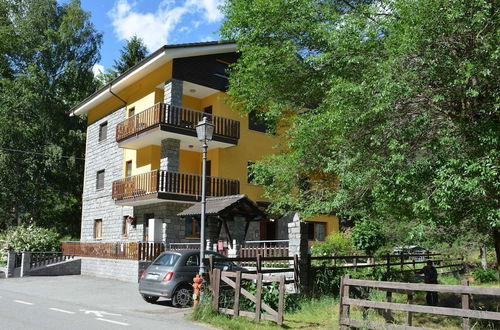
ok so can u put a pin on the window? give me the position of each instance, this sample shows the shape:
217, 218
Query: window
167, 259
98, 229
192, 227
255, 123
99, 180
125, 226
250, 174
316, 231
128, 168
193, 260
103, 131
131, 111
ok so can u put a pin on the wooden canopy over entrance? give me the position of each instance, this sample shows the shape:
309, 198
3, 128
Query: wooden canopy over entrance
226, 208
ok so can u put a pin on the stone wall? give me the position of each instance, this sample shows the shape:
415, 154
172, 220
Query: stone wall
68, 267
98, 204
117, 269
173, 225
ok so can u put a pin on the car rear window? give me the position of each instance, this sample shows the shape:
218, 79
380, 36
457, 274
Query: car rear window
168, 259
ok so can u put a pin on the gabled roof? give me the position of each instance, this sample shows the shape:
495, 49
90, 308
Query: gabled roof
235, 204
149, 64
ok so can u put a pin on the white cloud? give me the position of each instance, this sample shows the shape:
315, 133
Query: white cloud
97, 69
156, 27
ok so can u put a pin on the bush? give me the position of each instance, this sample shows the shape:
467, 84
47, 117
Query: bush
29, 238
368, 236
334, 244
485, 275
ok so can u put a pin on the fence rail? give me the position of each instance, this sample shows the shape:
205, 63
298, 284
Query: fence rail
39, 259
142, 251
463, 290
177, 183
218, 277
183, 118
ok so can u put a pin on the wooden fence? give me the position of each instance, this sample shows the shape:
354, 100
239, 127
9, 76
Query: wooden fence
218, 277
142, 251
409, 288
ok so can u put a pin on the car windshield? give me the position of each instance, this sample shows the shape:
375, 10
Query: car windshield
168, 259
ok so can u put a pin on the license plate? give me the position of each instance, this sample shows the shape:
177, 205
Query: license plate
152, 276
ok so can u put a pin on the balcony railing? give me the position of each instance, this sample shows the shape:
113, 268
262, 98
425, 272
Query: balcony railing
178, 117
172, 183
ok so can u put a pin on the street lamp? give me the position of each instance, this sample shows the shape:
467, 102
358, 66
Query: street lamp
204, 131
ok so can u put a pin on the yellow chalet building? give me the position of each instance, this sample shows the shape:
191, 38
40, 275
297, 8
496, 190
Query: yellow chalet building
143, 160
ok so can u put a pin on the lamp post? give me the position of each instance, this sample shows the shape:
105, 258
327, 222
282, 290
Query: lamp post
204, 131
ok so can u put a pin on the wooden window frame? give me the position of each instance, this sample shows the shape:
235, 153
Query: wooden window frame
103, 131
98, 229
314, 224
125, 226
99, 185
131, 112
127, 163
195, 233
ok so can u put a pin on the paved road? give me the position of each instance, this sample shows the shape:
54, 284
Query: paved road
81, 302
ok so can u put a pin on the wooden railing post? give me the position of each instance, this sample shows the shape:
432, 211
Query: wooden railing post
237, 294
216, 288
402, 258
355, 262
465, 305
388, 266
409, 316
281, 300
258, 298
259, 264
388, 312
343, 308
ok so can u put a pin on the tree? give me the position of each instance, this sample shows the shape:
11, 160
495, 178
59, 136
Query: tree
390, 107
46, 58
132, 53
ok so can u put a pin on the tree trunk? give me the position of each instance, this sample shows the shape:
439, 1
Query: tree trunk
496, 239
482, 253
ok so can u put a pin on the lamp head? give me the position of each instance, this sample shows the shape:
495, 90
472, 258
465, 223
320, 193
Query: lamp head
205, 130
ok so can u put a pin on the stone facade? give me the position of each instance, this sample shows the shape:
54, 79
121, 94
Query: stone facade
169, 160
99, 204
173, 226
173, 92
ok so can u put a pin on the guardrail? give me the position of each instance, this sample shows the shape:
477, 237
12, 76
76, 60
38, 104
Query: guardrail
39, 259
183, 118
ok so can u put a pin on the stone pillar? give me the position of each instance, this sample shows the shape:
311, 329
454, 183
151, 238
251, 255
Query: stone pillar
169, 160
25, 264
298, 245
173, 92
11, 263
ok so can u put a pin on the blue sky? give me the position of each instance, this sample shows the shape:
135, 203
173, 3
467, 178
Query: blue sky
157, 22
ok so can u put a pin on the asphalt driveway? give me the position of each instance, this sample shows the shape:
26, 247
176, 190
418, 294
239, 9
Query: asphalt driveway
82, 302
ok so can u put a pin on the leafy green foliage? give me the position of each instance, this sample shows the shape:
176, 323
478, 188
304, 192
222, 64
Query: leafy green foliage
334, 244
388, 109
485, 275
30, 239
46, 58
368, 236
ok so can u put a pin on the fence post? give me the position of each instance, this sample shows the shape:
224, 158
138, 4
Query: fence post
258, 297
296, 272
259, 264
388, 267
281, 300
25, 264
465, 305
388, 312
11, 263
216, 287
237, 294
409, 317
402, 258
343, 309
355, 262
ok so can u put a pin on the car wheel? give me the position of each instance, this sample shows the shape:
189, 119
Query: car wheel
150, 299
182, 296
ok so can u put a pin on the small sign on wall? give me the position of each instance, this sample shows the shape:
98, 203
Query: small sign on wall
220, 245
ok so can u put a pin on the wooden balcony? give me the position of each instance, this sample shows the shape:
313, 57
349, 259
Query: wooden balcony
164, 120
163, 185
